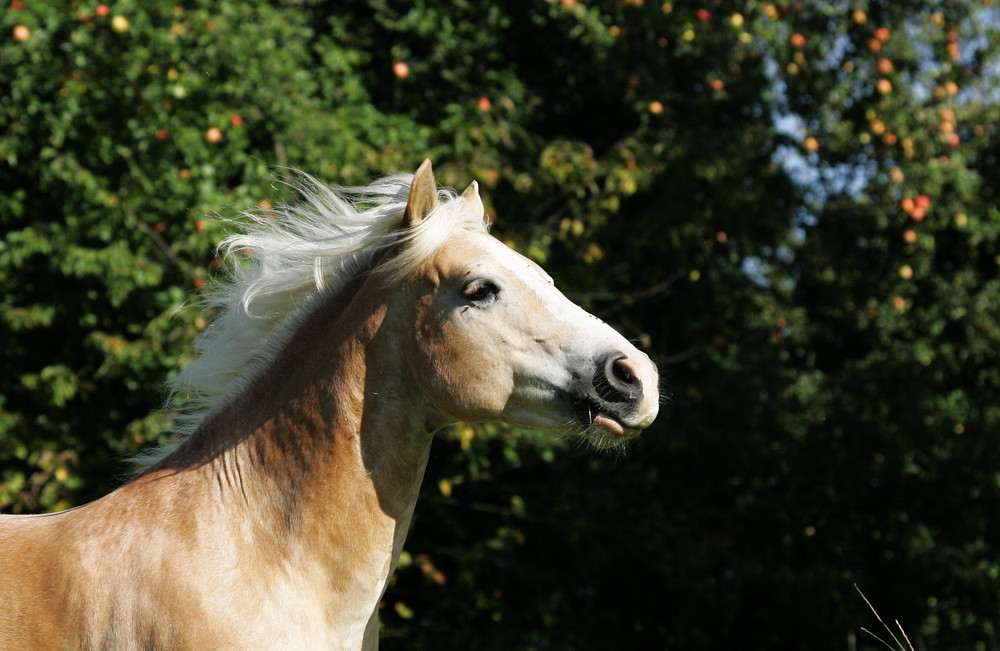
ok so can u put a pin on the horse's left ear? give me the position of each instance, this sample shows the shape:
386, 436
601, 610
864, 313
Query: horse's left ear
423, 197
472, 199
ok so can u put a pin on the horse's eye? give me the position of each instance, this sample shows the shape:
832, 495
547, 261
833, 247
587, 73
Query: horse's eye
481, 291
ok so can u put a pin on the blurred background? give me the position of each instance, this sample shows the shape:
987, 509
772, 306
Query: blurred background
791, 205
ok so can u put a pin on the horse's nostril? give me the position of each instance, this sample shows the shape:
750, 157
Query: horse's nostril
618, 379
624, 371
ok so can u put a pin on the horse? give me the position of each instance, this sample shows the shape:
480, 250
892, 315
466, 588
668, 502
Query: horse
362, 321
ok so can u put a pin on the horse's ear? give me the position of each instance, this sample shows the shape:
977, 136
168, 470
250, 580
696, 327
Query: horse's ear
472, 200
423, 197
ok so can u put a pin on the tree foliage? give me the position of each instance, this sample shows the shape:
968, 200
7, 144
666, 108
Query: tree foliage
792, 205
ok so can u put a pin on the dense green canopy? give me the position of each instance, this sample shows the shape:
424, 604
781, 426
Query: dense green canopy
792, 206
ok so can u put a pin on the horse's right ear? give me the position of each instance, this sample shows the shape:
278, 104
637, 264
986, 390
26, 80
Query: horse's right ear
423, 197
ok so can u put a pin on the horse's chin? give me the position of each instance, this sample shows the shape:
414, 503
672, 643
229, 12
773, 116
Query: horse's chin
600, 423
598, 426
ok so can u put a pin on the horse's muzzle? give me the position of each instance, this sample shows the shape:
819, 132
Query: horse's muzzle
621, 394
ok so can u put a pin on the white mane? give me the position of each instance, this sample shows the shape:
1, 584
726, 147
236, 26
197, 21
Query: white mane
283, 261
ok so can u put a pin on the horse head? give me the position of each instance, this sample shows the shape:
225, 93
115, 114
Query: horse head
494, 339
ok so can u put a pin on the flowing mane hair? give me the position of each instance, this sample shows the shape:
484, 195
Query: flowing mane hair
283, 262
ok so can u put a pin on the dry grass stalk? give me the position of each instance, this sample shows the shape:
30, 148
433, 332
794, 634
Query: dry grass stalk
899, 645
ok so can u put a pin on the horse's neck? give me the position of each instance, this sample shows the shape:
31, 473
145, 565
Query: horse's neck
326, 452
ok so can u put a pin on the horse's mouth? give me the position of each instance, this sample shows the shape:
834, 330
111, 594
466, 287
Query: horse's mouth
598, 421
